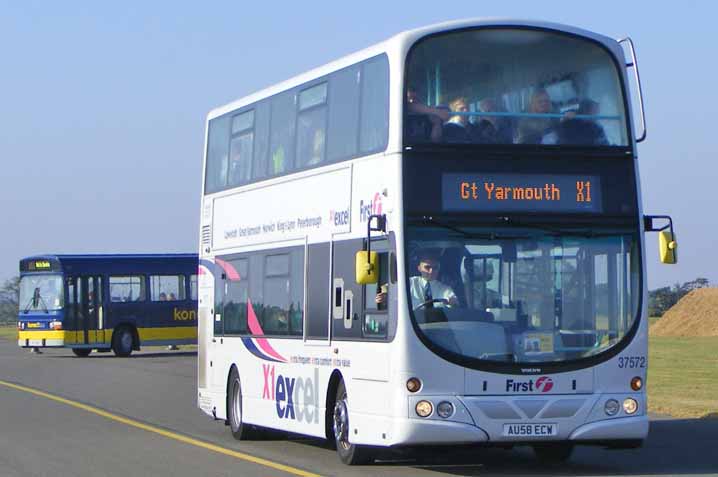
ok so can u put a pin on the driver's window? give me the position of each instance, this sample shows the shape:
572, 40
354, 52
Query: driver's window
377, 294
376, 301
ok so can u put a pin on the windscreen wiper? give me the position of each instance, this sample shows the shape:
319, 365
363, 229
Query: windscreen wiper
587, 231
29, 305
44, 305
471, 235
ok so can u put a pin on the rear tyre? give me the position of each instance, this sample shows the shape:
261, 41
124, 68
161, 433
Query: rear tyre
350, 454
82, 352
123, 342
240, 429
553, 453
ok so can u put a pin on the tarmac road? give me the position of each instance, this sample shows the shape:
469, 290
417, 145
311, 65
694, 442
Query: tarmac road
103, 415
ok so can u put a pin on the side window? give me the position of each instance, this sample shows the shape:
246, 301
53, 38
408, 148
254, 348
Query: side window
377, 295
193, 287
281, 145
127, 288
240, 148
167, 287
260, 166
343, 114
275, 315
296, 293
374, 126
235, 302
217, 154
312, 126
282, 310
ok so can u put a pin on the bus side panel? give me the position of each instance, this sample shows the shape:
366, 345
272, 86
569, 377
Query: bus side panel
288, 395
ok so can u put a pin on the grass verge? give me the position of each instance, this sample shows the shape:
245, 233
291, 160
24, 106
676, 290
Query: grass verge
8, 332
683, 376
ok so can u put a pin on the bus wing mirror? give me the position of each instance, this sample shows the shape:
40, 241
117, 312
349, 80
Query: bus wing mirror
667, 245
366, 269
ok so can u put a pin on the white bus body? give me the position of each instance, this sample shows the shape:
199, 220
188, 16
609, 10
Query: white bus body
279, 306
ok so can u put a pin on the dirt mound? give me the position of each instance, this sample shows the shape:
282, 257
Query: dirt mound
696, 314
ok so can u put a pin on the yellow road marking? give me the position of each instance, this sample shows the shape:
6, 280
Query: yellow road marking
162, 432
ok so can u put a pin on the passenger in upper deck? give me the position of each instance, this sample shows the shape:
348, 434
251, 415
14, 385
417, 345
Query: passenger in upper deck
532, 130
579, 131
457, 128
434, 117
492, 129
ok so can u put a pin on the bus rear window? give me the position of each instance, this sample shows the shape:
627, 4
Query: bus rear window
513, 86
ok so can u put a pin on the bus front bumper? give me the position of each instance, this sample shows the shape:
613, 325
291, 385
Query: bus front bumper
431, 432
41, 339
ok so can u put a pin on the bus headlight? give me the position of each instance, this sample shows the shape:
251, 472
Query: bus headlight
424, 408
612, 407
56, 325
413, 385
630, 405
445, 409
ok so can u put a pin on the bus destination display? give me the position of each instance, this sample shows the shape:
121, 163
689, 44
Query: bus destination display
473, 192
36, 265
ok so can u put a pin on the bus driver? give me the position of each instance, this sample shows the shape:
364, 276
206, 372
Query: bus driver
425, 288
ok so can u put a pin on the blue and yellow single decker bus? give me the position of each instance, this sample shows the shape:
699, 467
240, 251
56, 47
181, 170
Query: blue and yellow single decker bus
107, 302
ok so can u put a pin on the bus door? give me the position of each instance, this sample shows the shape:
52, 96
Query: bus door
90, 308
70, 324
221, 285
362, 313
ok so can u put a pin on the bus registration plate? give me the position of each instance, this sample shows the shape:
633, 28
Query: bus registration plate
530, 430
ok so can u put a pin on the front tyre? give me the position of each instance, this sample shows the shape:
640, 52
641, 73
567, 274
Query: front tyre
350, 454
240, 429
82, 352
553, 453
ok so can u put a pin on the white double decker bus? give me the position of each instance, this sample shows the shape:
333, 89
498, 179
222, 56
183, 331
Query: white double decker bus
435, 240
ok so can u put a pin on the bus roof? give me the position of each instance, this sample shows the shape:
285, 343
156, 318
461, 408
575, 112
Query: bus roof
114, 263
397, 46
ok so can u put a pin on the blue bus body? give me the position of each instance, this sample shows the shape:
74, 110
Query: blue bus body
107, 302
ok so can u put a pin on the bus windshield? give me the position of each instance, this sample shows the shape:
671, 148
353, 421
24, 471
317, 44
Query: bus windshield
40, 293
513, 86
523, 295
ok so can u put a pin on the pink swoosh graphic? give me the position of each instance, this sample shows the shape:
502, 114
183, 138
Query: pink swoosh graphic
232, 273
256, 329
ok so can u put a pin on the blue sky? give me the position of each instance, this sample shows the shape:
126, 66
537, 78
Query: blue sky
103, 108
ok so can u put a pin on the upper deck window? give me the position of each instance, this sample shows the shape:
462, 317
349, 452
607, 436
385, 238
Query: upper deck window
512, 86
328, 119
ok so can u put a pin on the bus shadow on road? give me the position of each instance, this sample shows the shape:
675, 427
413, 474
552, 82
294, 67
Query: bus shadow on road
673, 447
148, 355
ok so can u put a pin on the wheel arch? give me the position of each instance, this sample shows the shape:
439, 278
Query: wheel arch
331, 397
232, 367
133, 329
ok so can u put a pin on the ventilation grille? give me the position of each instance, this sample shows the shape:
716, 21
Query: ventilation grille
206, 234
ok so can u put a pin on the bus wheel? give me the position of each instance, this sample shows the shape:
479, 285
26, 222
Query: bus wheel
122, 342
350, 454
554, 452
240, 430
82, 352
